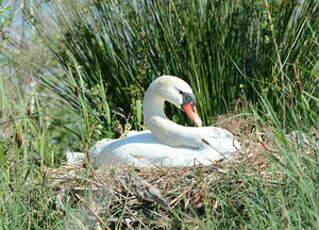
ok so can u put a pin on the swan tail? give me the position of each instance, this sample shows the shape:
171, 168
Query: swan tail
74, 157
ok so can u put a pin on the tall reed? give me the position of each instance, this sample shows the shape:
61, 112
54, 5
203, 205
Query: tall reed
229, 51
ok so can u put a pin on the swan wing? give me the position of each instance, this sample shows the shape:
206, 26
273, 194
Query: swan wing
219, 139
143, 149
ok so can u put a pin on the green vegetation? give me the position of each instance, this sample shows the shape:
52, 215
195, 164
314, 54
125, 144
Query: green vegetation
79, 72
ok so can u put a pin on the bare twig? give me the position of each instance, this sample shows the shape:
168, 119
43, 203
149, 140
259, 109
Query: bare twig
92, 211
18, 118
265, 147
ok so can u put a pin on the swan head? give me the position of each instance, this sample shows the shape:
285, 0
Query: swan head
177, 92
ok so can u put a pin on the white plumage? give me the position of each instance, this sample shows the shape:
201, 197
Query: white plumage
166, 143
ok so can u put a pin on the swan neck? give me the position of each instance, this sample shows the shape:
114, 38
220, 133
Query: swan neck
153, 106
163, 129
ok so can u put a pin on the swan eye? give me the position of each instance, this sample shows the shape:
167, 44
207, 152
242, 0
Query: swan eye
188, 98
180, 91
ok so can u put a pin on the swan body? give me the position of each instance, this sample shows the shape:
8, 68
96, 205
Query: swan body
144, 150
166, 143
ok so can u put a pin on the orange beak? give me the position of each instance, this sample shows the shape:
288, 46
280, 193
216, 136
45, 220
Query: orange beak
191, 112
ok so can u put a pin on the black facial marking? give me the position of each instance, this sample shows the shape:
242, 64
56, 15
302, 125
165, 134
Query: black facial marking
187, 98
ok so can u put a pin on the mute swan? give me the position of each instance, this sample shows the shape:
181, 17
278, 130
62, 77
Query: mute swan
167, 143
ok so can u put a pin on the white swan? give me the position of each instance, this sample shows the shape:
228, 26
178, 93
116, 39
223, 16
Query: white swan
167, 143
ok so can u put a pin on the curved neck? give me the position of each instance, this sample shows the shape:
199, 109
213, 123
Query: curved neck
165, 130
153, 105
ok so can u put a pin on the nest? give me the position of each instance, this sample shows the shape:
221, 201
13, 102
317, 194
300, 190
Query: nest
157, 197
143, 198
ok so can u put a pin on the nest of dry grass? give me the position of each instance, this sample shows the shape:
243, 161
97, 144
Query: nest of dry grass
161, 197
149, 197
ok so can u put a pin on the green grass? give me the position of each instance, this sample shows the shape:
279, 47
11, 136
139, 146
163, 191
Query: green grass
282, 195
229, 51
239, 56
